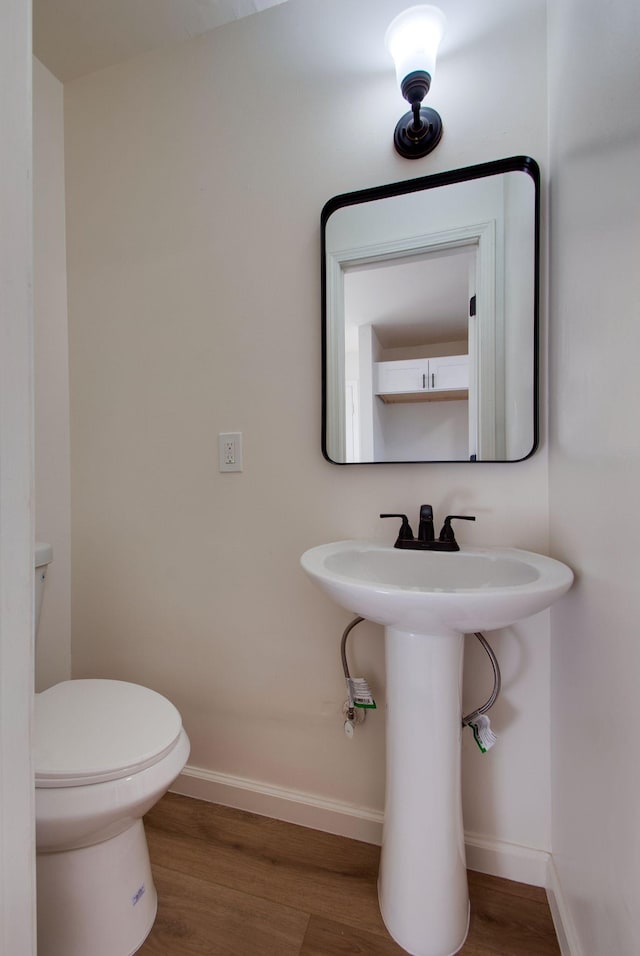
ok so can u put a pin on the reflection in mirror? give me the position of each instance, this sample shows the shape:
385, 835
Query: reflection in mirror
430, 318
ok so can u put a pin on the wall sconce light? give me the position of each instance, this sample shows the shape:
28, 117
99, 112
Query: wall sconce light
413, 39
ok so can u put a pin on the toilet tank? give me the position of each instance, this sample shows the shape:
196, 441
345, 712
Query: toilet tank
43, 556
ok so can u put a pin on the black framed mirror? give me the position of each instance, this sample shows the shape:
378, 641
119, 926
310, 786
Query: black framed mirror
430, 298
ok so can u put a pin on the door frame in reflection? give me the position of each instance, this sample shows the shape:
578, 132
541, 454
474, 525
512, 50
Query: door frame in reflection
486, 337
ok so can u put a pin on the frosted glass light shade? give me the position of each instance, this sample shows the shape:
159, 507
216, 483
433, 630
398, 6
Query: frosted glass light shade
413, 38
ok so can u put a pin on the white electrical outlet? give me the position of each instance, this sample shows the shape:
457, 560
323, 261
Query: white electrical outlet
230, 451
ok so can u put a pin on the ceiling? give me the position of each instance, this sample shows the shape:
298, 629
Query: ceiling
75, 37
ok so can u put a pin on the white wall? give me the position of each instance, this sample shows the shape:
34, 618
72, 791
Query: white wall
437, 430
17, 832
51, 366
195, 180
595, 467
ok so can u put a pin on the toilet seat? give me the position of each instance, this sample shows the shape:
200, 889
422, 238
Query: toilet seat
91, 731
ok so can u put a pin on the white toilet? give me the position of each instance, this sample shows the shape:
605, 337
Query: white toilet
104, 752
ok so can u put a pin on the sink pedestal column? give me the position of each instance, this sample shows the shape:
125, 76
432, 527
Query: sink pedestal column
422, 885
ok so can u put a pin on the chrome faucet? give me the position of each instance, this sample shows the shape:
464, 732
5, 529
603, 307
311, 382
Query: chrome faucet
426, 540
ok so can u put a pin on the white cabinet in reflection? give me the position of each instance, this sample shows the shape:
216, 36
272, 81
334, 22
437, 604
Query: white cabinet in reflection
423, 380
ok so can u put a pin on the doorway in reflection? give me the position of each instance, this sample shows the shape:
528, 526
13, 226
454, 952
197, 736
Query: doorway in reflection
408, 328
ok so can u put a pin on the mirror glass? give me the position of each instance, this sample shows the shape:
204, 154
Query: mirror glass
430, 318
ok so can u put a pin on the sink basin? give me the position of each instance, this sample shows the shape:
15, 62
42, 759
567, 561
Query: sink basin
427, 601
470, 590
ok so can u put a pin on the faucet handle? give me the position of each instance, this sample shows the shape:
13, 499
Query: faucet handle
405, 533
447, 531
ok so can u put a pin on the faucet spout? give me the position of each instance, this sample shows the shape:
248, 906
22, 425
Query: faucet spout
425, 528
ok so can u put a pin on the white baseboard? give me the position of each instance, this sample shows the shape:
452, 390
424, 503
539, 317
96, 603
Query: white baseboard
565, 929
511, 861
292, 806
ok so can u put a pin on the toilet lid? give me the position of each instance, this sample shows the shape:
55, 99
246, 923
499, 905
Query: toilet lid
89, 731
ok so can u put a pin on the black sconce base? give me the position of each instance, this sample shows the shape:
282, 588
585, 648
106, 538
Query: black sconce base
414, 143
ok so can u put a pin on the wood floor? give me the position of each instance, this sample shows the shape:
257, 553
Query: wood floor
235, 884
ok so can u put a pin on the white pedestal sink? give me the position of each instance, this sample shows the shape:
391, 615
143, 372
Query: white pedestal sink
427, 601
